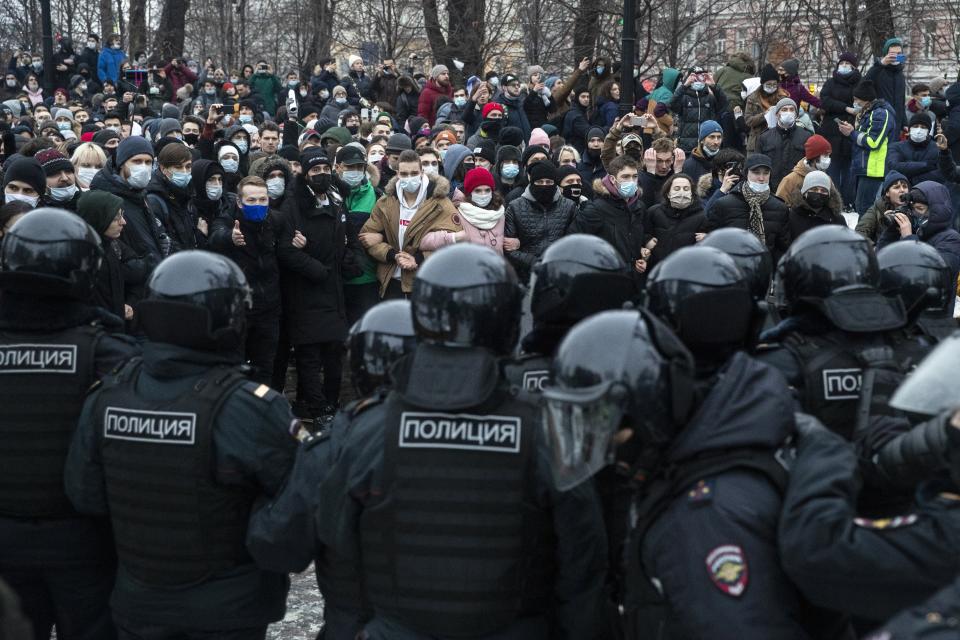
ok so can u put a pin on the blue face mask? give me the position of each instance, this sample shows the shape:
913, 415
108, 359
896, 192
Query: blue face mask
241, 145
181, 178
600, 70
627, 189
460, 101
255, 212
925, 101
699, 86
246, 118
510, 171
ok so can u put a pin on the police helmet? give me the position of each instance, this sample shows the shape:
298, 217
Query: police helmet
377, 340
918, 274
751, 255
198, 300
614, 370
704, 297
466, 295
833, 269
50, 252
577, 276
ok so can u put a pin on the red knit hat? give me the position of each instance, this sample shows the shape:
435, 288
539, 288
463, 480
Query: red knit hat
492, 106
816, 146
478, 177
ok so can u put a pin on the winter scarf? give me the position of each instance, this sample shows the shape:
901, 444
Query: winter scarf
480, 218
615, 192
756, 201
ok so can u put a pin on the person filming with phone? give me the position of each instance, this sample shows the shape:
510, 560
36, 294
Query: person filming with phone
888, 76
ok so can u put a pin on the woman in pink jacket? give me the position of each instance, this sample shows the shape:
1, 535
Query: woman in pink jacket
480, 217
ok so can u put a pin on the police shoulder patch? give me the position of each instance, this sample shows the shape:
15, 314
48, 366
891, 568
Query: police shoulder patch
261, 391
363, 404
728, 570
886, 523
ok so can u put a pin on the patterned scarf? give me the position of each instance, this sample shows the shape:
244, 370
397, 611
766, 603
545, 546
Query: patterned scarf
756, 201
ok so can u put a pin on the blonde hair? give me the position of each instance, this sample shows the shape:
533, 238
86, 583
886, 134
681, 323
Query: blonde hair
88, 152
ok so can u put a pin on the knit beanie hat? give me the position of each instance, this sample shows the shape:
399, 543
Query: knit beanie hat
168, 126
398, 142
53, 161
920, 120
26, 170
437, 70
816, 146
98, 209
491, 106
850, 57
784, 102
534, 68
103, 136
478, 177
769, 74
132, 146
506, 152
449, 136
709, 127
63, 113
539, 136
512, 136
791, 66
542, 169
891, 42
487, 149
815, 179
352, 59
312, 157
865, 91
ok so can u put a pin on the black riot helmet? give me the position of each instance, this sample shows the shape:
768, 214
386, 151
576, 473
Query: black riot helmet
577, 276
198, 300
918, 274
833, 269
50, 252
377, 340
614, 370
704, 297
751, 255
466, 295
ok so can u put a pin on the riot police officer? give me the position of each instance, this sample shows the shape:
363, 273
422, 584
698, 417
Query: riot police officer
446, 505
282, 535
577, 276
176, 447
752, 258
702, 560
837, 328
936, 619
918, 274
873, 567
53, 346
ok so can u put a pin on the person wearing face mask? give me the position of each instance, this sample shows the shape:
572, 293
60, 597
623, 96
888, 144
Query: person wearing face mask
337, 103
815, 207
750, 205
24, 181
591, 162
266, 85
229, 158
694, 102
929, 221
601, 72
168, 196
818, 156
571, 186
357, 83
836, 99
408, 97
61, 188
362, 292
10, 88
208, 197
384, 85
412, 206
700, 161
91, 51
921, 102
437, 85
490, 126
510, 96
758, 103
679, 221
110, 59
87, 159
888, 76
456, 163
789, 72
127, 176
871, 137
783, 144
616, 214
506, 171
916, 157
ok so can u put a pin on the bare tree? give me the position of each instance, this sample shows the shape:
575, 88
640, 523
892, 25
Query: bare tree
172, 30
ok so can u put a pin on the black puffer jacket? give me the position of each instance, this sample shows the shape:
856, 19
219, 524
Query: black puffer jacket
257, 258
312, 278
694, 108
733, 211
618, 221
674, 228
537, 227
835, 97
785, 149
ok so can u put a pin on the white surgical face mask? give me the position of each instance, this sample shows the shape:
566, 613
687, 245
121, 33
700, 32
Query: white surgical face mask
410, 185
139, 176
85, 175
918, 134
354, 178
823, 163
431, 170
374, 158
481, 199
787, 119
63, 194
230, 166
758, 187
214, 191
275, 187
19, 197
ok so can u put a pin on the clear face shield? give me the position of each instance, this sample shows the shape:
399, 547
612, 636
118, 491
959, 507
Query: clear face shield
580, 426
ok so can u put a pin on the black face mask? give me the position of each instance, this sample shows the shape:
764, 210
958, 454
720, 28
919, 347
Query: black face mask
817, 200
321, 182
491, 127
572, 192
593, 154
353, 129
544, 194
191, 138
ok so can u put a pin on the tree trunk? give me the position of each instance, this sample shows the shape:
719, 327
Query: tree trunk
169, 41
137, 31
879, 24
466, 27
322, 17
585, 27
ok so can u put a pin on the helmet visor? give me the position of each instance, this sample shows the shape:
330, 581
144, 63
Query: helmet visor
933, 387
579, 429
